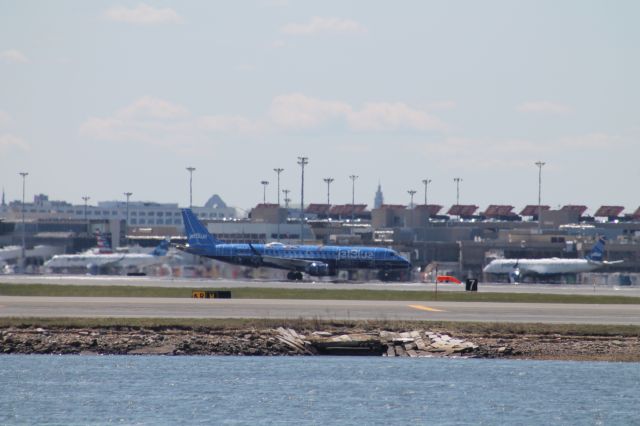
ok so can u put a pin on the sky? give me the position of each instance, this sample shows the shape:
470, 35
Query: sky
105, 97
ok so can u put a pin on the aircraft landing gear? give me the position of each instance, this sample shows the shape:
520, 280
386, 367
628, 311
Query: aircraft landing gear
294, 276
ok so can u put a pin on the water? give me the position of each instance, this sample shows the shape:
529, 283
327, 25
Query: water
320, 390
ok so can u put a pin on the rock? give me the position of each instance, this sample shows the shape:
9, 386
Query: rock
409, 346
420, 344
403, 340
400, 351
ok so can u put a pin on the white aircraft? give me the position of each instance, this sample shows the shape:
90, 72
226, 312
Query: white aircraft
518, 268
95, 262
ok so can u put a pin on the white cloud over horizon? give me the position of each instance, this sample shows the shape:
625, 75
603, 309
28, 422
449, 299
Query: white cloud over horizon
13, 56
154, 120
299, 111
548, 107
9, 141
320, 25
143, 14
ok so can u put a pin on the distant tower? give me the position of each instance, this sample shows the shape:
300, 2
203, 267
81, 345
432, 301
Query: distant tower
3, 203
379, 200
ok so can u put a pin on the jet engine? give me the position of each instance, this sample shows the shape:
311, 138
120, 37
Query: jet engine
318, 269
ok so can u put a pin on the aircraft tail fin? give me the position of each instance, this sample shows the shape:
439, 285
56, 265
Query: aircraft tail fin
597, 252
161, 249
197, 233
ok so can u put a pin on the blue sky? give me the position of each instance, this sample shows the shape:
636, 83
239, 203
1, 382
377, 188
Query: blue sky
99, 98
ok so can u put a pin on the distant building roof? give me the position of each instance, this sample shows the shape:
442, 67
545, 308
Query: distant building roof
319, 209
432, 209
215, 202
462, 210
574, 209
393, 206
636, 214
532, 210
609, 211
348, 209
496, 210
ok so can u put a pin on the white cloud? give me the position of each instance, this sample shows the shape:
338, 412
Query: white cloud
150, 107
13, 56
591, 141
143, 14
380, 116
298, 111
147, 119
319, 25
544, 107
161, 122
8, 141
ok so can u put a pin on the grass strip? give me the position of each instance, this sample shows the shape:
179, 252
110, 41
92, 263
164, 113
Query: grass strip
310, 293
315, 324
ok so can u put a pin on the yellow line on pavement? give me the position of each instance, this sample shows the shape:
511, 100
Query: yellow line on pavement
425, 308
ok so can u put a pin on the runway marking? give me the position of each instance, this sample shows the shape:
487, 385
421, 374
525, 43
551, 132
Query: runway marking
426, 308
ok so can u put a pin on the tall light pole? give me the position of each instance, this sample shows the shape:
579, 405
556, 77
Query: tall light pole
353, 195
457, 181
539, 164
328, 182
191, 170
264, 191
426, 183
22, 254
286, 197
411, 193
303, 161
278, 170
126, 223
86, 198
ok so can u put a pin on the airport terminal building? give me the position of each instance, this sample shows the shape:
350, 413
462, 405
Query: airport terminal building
461, 240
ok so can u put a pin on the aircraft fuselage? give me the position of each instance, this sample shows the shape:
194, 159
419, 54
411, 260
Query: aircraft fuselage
284, 256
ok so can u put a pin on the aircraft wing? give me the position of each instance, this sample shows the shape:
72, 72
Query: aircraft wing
108, 262
287, 263
612, 262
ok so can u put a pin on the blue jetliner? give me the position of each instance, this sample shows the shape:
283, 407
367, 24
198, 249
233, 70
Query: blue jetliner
313, 260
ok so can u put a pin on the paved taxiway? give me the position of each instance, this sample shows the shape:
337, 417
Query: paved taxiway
324, 284
19, 306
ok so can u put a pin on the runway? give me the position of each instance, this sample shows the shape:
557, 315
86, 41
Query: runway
19, 306
319, 284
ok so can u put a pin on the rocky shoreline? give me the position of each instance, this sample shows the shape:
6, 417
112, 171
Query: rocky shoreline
281, 341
